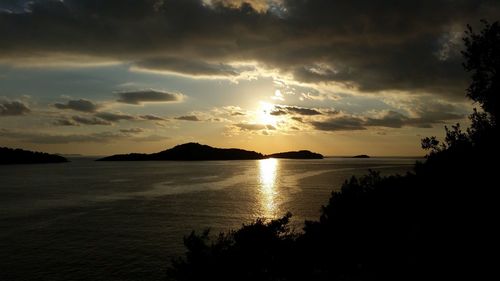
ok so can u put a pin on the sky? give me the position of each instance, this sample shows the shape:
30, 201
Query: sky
99, 77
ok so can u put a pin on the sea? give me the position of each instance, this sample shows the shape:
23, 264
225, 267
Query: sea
89, 220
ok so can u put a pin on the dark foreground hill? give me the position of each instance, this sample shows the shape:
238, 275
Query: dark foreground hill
199, 152
20, 156
302, 154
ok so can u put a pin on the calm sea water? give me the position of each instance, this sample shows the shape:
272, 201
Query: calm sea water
88, 220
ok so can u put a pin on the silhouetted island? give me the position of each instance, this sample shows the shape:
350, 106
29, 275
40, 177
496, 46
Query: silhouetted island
20, 156
302, 154
361, 156
189, 152
199, 152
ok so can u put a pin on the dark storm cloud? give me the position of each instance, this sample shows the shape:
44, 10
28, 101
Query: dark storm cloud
149, 95
293, 110
13, 108
188, 118
90, 120
370, 45
78, 105
115, 117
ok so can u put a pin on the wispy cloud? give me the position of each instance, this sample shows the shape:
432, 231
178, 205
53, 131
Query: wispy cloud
188, 118
78, 105
115, 117
90, 120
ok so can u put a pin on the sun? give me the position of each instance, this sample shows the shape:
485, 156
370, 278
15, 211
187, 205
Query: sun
264, 114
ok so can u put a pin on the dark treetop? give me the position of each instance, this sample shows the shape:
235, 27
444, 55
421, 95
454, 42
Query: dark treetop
19, 156
302, 154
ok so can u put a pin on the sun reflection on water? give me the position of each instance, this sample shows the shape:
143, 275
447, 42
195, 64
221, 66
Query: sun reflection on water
268, 170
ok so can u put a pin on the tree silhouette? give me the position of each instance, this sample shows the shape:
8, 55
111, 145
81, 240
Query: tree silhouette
482, 60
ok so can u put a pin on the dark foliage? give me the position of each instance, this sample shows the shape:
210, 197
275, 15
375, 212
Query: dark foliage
259, 251
20, 156
436, 223
482, 60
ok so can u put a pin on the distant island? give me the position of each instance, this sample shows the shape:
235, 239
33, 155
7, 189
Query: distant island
199, 152
302, 154
361, 156
20, 156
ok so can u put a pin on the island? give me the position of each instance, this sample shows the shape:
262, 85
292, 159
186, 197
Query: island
21, 156
301, 154
361, 156
200, 152
189, 152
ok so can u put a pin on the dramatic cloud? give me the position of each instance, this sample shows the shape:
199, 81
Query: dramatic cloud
78, 105
293, 110
415, 48
188, 118
115, 117
13, 108
142, 96
90, 120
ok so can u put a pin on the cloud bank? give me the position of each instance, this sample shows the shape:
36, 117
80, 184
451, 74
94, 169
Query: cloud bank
415, 48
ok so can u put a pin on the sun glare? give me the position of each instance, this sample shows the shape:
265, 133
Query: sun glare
264, 114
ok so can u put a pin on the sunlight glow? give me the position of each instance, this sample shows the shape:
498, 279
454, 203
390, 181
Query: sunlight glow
267, 180
264, 114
